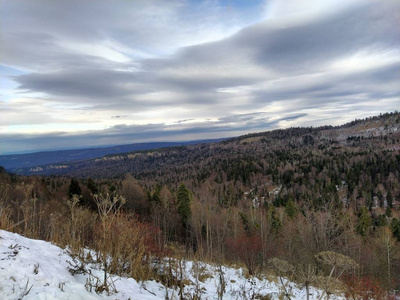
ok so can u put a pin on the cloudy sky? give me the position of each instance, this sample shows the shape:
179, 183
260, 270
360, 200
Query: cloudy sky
83, 73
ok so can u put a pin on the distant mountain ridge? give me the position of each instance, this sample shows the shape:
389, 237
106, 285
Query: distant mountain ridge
20, 161
378, 133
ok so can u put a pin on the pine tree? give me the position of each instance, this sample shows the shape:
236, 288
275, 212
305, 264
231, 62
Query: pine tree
291, 208
395, 227
274, 220
92, 186
156, 197
381, 221
364, 221
388, 212
74, 188
184, 199
389, 199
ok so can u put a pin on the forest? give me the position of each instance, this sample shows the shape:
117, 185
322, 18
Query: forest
320, 206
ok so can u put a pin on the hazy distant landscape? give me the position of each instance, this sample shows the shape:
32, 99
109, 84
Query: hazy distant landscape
19, 162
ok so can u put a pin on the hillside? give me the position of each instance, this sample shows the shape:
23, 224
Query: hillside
379, 134
309, 198
17, 161
34, 269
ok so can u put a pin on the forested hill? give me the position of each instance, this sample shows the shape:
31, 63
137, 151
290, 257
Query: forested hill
20, 163
245, 157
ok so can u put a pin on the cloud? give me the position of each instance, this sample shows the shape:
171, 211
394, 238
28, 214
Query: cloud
126, 134
259, 53
109, 30
176, 64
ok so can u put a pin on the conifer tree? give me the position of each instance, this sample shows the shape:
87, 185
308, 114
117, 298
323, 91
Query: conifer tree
74, 188
395, 227
389, 199
291, 208
183, 198
92, 186
364, 221
156, 196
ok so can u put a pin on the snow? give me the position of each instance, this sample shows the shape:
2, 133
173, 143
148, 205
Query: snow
35, 269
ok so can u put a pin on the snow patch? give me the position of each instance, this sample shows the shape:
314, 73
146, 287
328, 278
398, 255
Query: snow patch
35, 269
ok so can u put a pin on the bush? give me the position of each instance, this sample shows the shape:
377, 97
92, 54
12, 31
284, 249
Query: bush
364, 288
248, 248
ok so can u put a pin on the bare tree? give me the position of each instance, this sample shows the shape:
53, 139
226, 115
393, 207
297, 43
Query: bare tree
4, 192
72, 205
28, 208
108, 206
389, 248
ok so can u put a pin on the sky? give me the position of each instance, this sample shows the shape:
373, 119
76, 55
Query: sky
84, 73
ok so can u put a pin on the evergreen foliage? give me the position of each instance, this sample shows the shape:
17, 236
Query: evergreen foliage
291, 209
364, 221
183, 200
74, 188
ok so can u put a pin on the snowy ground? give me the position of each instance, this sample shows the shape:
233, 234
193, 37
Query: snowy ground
42, 269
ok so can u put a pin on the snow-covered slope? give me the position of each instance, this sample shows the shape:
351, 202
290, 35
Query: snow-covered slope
43, 268
34, 269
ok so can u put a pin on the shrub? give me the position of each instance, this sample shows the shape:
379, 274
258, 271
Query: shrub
248, 248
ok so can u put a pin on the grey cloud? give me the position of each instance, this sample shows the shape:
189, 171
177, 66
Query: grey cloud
337, 87
143, 27
125, 134
212, 83
243, 117
276, 63
313, 45
294, 117
183, 121
301, 49
91, 83
102, 89
79, 20
41, 51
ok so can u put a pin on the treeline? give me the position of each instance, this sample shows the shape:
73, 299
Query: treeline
381, 116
